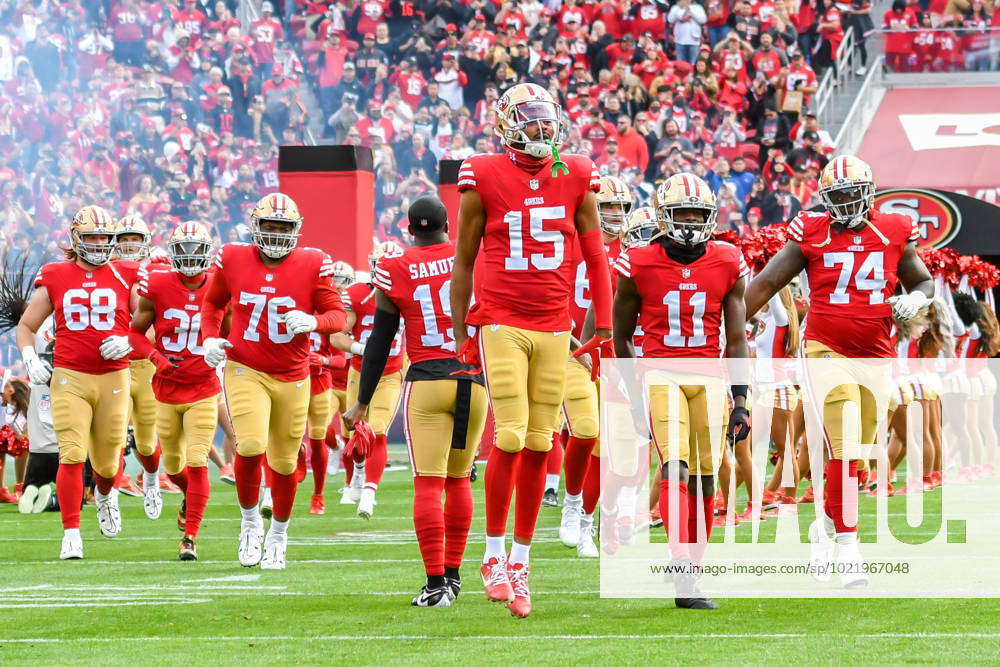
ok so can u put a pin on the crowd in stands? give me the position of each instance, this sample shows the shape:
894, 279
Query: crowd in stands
942, 36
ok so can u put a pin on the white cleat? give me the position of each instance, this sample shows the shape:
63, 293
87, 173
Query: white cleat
26, 503
109, 515
274, 551
851, 566
821, 546
42, 499
351, 494
366, 504
569, 526
251, 538
586, 548
152, 502
266, 504
72, 546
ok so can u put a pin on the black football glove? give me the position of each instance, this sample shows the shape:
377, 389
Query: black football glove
739, 425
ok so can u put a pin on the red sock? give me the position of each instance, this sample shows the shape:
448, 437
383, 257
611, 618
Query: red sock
121, 466
347, 463
283, 495
196, 498
679, 546
375, 463
180, 479
246, 469
457, 519
69, 492
103, 484
577, 461
841, 501
300, 465
151, 463
501, 470
268, 473
591, 484
530, 489
319, 458
428, 521
554, 459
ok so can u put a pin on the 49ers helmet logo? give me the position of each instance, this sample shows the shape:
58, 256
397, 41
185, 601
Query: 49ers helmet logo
938, 219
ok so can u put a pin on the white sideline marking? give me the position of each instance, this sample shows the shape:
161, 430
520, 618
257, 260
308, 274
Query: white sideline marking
510, 637
236, 577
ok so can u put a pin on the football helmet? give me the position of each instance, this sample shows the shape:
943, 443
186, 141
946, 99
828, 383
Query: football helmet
343, 274
190, 247
640, 227
281, 208
847, 190
613, 192
685, 191
385, 249
92, 221
520, 107
134, 250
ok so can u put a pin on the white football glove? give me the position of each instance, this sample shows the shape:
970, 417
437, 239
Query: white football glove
215, 351
38, 371
115, 347
907, 306
299, 322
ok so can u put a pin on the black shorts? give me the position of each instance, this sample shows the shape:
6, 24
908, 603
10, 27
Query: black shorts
41, 469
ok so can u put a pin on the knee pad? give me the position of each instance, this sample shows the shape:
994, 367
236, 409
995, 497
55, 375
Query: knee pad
675, 470
538, 442
70, 454
584, 427
508, 440
172, 463
250, 446
283, 466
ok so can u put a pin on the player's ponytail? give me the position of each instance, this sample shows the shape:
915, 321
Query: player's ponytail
989, 340
933, 339
69, 254
16, 286
792, 339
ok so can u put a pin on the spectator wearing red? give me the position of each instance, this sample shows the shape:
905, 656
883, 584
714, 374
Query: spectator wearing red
570, 18
631, 145
648, 17
182, 58
831, 32
898, 40
797, 76
925, 45
732, 91
374, 122
481, 39
611, 154
734, 54
192, 20
450, 44
126, 21
411, 82
654, 64
451, 80
717, 12
768, 59
949, 46
597, 131
612, 14
224, 19
621, 51
369, 13
266, 32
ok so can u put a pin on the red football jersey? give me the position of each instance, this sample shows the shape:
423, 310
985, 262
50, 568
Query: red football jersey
419, 283
681, 311
319, 375
90, 305
580, 303
260, 295
362, 302
851, 275
177, 328
527, 246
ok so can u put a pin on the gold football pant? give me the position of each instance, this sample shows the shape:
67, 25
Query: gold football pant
320, 413
268, 415
385, 400
143, 405
443, 428
872, 399
689, 422
525, 378
339, 405
90, 417
186, 432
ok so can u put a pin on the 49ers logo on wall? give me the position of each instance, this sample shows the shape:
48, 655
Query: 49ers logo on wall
937, 217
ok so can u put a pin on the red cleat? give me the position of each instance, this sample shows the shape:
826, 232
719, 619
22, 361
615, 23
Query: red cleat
726, 518
862, 479
720, 501
18, 490
125, 485
936, 478
609, 533
750, 511
808, 496
518, 573
928, 482
300, 466
6, 496
317, 505
770, 499
912, 486
496, 580
655, 520
166, 486
227, 474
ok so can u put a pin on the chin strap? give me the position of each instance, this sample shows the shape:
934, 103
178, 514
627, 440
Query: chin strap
557, 164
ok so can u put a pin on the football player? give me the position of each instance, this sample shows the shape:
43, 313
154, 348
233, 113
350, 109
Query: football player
682, 286
131, 254
382, 407
278, 293
526, 208
582, 462
90, 378
186, 388
321, 364
444, 400
854, 257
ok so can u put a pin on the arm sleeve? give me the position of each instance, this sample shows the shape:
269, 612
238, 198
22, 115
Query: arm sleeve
777, 310
141, 346
599, 275
331, 316
376, 353
213, 308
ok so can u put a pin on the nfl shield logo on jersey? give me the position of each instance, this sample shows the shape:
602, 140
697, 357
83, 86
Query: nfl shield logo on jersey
269, 277
858, 239
191, 297
534, 184
686, 273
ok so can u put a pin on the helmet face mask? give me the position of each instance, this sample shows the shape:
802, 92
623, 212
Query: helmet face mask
614, 204
132, 249
387, 248
343, 274
847, 190
686, 210
190, 249
93, 252
274, 225
640, 228
529, 121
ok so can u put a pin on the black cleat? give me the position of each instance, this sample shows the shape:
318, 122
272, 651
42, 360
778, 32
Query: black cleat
433, 597
695, 603
454, 585
188, 550
473, 474
550, 499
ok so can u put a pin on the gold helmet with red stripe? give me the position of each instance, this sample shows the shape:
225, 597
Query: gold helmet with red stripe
640, 227
384, 249
343, 274
528, 106
132, 225
275, 207
847, 190
93, 221
614, 203
190, 248
685, 192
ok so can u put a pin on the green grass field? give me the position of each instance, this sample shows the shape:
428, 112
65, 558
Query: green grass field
345, 598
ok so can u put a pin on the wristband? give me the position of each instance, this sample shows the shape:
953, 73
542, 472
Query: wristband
357, 348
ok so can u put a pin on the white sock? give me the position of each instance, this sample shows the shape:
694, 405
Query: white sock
250, 515
359, 469
150, 480
552, 482
847, 538
496, 547
586, 519
279, 527
519, 553
573, 499
100, 496
72, 532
